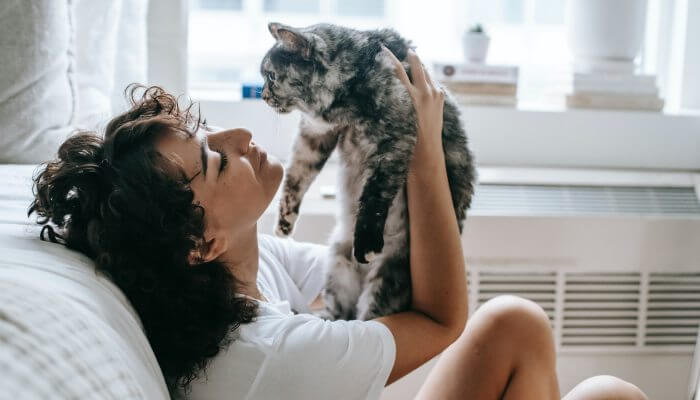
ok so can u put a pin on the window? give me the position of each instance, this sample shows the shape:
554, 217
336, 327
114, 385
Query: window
228, 38
218, 4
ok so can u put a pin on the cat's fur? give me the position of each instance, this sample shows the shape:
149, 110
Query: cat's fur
351, 100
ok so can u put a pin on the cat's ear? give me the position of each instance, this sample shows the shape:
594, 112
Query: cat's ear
290, 38
273, 27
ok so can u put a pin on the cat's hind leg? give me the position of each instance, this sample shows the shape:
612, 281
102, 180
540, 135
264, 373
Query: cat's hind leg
343, 284
386, 289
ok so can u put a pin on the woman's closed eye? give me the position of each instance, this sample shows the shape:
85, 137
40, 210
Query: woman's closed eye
224, 160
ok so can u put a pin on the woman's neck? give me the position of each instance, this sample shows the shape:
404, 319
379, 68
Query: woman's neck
242, 259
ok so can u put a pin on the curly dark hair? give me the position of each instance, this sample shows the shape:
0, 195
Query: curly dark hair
120, 202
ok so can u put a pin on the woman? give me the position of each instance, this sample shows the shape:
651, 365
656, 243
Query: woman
169, 213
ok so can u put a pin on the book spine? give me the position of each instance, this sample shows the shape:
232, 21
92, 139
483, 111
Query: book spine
630, 80
485, 100
472, 73
649, 103
482, 88
589, 67
612, 88
479, 79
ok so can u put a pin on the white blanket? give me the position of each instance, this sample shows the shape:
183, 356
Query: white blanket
65, 332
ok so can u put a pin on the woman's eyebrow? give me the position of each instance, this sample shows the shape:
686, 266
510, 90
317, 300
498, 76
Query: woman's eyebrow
204, 156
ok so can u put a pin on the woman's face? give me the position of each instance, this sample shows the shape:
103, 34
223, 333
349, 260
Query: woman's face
234, 180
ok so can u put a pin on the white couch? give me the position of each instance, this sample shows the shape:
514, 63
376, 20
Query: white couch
65, 331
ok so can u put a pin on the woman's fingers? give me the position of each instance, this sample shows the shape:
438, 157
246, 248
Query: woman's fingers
437, 89
421, 80
398, 67
417, 72
430, 81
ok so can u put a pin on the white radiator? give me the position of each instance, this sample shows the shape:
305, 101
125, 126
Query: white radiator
612, 256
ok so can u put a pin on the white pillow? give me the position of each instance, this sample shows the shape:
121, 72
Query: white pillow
37, 88
96, 28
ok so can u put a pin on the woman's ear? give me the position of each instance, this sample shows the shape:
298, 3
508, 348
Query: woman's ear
208, 250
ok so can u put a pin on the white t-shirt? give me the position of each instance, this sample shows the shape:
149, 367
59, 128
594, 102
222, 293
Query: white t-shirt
298, 357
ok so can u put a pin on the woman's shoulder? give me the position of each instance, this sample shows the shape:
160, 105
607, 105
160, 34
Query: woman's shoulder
279, 247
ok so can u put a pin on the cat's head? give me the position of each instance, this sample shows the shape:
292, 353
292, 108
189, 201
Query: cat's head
297, 70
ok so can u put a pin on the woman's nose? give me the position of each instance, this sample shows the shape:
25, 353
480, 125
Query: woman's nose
239, 138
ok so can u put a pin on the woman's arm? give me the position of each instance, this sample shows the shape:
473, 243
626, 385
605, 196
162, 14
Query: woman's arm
439, 290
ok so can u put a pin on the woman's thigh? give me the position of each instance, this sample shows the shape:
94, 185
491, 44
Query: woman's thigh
488, 361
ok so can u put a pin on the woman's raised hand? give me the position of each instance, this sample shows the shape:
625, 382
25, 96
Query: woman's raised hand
428, 101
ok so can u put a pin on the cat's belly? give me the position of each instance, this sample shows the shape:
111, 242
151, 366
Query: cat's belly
351, 182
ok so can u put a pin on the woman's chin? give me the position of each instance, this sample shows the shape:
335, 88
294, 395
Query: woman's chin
275, 172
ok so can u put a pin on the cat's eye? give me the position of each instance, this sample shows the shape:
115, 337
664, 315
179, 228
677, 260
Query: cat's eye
271, 76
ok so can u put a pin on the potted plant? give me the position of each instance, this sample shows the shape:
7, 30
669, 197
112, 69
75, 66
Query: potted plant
476, 44
606, 30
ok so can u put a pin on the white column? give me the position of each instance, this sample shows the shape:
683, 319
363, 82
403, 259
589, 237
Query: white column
690, 87
167, 44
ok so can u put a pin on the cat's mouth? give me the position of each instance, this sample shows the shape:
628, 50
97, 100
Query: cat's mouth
280, 108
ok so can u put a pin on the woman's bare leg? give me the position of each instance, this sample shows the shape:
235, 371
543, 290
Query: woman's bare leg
507, 352
605, 387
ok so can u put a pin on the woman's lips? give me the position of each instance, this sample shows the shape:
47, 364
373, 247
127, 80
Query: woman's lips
263, 158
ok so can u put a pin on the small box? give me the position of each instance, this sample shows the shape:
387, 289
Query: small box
251, 91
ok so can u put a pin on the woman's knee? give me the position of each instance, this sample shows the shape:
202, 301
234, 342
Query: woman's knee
521, 323
513, 312
605, 387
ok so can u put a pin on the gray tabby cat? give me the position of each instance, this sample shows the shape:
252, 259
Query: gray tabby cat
351, 100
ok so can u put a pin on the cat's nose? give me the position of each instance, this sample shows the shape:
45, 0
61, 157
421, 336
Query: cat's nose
265, 93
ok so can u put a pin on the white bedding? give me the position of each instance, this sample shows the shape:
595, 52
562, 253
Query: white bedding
64, 331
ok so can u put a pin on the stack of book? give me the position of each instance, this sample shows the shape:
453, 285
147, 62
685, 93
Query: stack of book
613, 85
479, 84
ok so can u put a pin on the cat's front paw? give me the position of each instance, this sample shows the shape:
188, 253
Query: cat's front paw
367, 244
324, 314
285, 221
284, 227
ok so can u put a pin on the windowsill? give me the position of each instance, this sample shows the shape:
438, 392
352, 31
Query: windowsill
530, 135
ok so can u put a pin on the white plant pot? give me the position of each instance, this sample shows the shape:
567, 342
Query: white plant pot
606, 29
476, 47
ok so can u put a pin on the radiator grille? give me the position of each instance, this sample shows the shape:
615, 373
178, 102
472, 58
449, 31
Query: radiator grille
539, 287
604, 310
673, 309
600, 309
585, 200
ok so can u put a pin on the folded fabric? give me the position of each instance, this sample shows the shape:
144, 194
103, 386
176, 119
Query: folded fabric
37, 84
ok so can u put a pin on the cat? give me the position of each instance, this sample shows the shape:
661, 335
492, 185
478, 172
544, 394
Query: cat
351, 99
